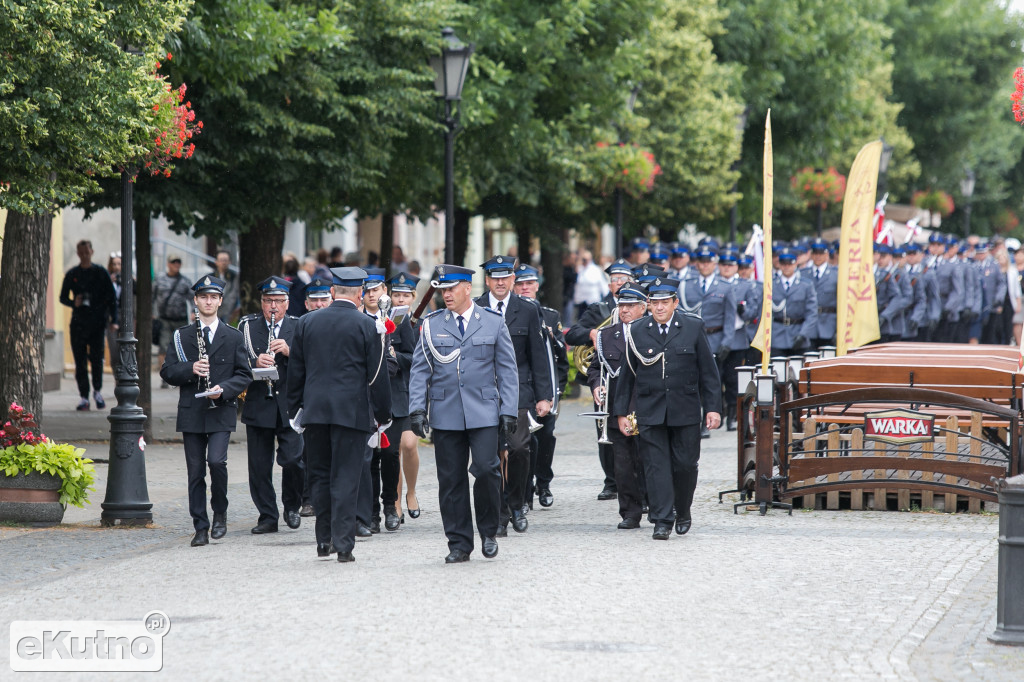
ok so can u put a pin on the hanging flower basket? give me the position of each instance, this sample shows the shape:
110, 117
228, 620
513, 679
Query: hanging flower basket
623, 166
819, 188
934, 201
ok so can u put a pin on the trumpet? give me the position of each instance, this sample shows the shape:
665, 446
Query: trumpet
602, 414
270, 339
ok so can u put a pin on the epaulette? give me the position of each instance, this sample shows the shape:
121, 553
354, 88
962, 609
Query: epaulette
250, 318
292, 317
439, 310
544, 307
493, 312
693, 315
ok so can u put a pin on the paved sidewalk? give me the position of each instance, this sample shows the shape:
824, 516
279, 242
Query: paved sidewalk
849, 595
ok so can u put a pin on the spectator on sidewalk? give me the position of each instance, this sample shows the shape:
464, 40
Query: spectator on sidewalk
88, 291
591, 286
171, 294
232, 308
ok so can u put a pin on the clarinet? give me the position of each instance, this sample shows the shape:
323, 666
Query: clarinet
204, 381
270, 340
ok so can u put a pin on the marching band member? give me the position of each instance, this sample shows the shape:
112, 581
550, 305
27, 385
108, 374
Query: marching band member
671, 371
267, 336
536, 392
318, 295
207, 357
470, 400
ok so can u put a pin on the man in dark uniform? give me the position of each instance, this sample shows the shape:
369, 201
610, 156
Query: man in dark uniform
583, 333
671, 371
338, 354
265, 411
610, 358
473, 401
536, 392
317, 296
88, 291
208, 356
542, 449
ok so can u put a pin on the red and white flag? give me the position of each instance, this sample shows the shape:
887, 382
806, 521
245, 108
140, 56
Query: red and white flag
882, 232
755, 249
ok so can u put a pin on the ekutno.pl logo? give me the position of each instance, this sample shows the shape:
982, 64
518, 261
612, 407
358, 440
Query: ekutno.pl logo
89, 645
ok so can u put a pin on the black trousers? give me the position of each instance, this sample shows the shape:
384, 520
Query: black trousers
670, 455
605, 456
517, 468
87, 348
452, 452
387, 467
202, 449
817, 344
336, 458
260, 443
364, 499
542, 454
727, 370
628, 474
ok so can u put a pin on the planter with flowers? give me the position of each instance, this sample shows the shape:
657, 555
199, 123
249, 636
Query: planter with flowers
38, 477
625, 167
935, 201
819, 189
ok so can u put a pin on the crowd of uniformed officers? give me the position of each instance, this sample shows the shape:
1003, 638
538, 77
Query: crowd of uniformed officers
482, 377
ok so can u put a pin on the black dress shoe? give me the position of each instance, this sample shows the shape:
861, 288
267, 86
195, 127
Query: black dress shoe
645, 507
456, 556
220, 526
306, 510
629, 524
345, 557
545, 497
705, 432
519, 522
662, 531
363, 532
324, 548
264, 527
502, 531
730, 424
292, 518
374, 526
200, 538
683, 526
489, 547
391, 520
607, 494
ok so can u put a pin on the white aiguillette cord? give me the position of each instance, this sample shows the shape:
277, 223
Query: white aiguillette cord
660, 357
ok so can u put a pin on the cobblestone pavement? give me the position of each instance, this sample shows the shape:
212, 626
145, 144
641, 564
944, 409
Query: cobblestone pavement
849, 595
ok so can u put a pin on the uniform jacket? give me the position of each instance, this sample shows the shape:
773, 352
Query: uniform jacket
973, 297
524, 326
336, 372
613, 356
403, 341
893, 296
479, 383
579, 333
741, 290
753, 299
556, 339
993, 285
950, 278
257, 410
229, 368
676, 390
794, 312
826, 289
716, 307
916, 316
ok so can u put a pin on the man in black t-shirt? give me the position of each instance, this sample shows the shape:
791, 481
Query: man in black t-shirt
88, 291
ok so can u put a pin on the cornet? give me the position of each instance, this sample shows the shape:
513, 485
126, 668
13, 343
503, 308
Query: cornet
602, 415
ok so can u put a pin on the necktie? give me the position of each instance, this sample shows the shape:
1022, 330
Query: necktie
462, 325
501, 308
664, 329
206, 338
785, 285
703, 287
817, 274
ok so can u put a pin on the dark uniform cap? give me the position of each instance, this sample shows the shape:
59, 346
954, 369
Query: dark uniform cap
952, 241
982, 247
883, 249
659, 253
899, 251
936, 238
403, 281
499, 266
447, 276
527, 273
706, 252
639, 245
680, 249
799, 247
663, 287
729, 257
374, 278
744, 260
787, 255
319, 287
819, 244
348, 276
911, 247
835, 246
710, 242
621, 267
274, 286
647, 272
631, 294
209, 283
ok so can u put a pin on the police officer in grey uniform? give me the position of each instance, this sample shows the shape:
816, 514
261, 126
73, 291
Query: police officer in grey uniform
893, 295
970, 316
671, 372
206, 423
266, 408
919, 270
679, 261
993, 286
728, 270
794, 308
464, 373
536, 392
337, 376
950, 280
916, 316
825, 278
752, 299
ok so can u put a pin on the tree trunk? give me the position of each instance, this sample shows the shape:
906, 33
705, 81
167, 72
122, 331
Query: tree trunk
551, 263
23, 287
523, 242
259, 257
144, 316
387, 241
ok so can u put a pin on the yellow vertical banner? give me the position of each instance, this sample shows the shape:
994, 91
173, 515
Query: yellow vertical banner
763, 339
856, 308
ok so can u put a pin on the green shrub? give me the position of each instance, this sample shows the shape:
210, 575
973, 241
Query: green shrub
60, 459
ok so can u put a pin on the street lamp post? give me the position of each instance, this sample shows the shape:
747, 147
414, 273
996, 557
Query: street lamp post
883, 166
967, 190
450, 69
127, 497
618, 190
741, 126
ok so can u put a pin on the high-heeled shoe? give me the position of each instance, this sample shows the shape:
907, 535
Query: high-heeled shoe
414, 513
